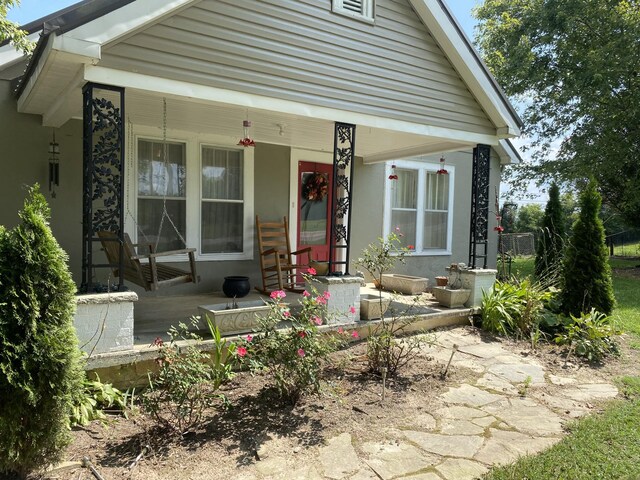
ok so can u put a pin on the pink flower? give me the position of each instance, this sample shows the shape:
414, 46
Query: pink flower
316, 320
305, 294
286, 314
354, 334
249, 338
277, 294
302, 334
321, 300
301, 352
340, 330
326, 295
311, 271
352, 309
241, 351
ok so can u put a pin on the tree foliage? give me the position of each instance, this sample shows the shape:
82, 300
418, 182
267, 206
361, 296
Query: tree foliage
11, 31
529, 218
551, 238
39, 357
574, 67
586, 282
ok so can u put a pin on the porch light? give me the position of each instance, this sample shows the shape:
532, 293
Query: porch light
246, 141
394, 175
442, 170
54, 165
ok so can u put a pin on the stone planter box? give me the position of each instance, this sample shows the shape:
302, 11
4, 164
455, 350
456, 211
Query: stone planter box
451, 298
370, 306
230, 321
104, 321
404, 283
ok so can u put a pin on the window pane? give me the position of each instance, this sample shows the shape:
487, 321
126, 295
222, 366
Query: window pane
405, 189
437, 192
404, 224
435, 230
222, 174
157, 176
222, 227
161, 175
149, 216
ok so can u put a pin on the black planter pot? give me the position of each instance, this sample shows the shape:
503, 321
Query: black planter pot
236, 286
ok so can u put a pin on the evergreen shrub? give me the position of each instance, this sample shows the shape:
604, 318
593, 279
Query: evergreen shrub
40, 367
586, 282
551, 239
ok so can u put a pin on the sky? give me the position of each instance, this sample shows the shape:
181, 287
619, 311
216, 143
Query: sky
30, 10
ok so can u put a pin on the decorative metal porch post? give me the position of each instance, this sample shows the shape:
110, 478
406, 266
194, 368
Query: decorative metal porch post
344, 145
479, 232
103, 174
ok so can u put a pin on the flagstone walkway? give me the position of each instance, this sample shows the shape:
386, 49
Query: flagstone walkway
513, 408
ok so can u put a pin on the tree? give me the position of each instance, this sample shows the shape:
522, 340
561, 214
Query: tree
574, 68
40, 368
551, 238
529, 218
586, 282
11, 31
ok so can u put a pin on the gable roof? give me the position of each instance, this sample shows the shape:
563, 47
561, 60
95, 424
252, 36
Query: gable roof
85, 16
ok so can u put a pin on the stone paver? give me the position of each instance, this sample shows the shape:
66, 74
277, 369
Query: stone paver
461, 469
469, 395
339, 458
483, 422
391, 460
451, 445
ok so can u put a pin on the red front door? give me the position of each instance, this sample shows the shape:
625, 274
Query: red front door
314, 192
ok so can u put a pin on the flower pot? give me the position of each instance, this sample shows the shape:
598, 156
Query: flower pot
405, 284
450, 298
442, 281
321, 268
242, 319
371, 306
236, 286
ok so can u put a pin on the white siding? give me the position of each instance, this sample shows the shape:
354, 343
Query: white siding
299, 50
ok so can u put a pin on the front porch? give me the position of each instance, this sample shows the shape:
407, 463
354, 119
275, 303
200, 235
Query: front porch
153, 316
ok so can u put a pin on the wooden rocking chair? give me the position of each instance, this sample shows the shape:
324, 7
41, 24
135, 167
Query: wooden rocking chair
150, 275
276, 258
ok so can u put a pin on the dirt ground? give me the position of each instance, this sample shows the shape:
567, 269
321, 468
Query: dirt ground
350, 402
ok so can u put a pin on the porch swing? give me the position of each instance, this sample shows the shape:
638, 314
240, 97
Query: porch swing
143, 268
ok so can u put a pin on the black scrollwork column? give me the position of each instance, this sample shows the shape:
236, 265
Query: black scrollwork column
344, 144
103, 173
479, 232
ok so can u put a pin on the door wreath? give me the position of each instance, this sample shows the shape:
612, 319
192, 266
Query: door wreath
315, 187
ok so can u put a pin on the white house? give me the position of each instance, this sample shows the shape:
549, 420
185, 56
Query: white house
173, 81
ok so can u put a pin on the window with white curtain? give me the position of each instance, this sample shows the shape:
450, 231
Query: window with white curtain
222, 214
419, 206
162, 186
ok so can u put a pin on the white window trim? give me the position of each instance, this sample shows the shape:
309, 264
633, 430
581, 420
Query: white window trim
422, 167
367, 15
193, 147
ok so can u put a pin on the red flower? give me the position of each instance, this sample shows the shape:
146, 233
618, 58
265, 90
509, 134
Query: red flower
302, 334
311, 271
241, 351
411, 247
499, 229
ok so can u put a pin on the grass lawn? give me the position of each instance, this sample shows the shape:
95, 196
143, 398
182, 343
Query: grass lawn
604, 446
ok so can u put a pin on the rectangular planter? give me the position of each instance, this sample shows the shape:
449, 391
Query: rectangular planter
229, 321
370, 306
404, 283
451, 298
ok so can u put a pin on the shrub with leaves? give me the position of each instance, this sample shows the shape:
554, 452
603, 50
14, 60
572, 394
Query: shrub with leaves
188, 379
548, 262
96, 400
515, 309
590, 336
586, 282
40, 366
293, 357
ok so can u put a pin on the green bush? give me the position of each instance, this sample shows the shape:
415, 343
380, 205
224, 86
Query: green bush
188, 379
95, 400
590, 336
551, 239
515, 309
39, 356
586, 282
292, 357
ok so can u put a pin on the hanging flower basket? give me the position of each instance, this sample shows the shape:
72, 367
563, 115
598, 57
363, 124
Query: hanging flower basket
316, 187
